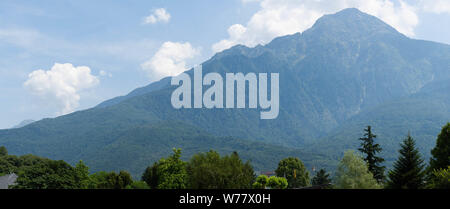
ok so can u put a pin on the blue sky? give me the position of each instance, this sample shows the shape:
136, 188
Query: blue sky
109, 48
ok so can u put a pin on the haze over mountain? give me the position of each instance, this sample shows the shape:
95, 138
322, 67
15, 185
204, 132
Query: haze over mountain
348, 71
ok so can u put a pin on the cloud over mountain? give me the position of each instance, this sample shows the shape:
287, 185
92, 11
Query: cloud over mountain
169, 60
282, 17
61, 84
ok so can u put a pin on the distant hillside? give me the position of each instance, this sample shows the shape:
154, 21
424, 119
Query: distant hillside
24, 123
348, 71
135, 149
421, 114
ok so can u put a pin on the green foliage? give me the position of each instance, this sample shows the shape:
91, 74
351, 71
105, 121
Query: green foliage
100, 180
172, 172
370, 149
211, 171
168, 173
352, 173
441, 179
275, 182
151, 176
124, 179
82, 175
3, 151
12, 163
408, 171
111, 180
138, 185
441, 153
41, 173
321, 178
294, 171
48, 174
261, 182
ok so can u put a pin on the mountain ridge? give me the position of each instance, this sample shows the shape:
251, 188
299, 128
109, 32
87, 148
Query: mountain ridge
329, 75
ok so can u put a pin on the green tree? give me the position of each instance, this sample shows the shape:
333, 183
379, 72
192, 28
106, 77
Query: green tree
124, 179
275, 182
211, 171
441, 179
13, 164
441, 152
101, 180
82, 175
261, 182
47, 175
167, 173
352, 173
294, 171
370, 149
151, 176
138, 185
111, 180
321, 178
408, 171
8, 164
172, 172
3, 151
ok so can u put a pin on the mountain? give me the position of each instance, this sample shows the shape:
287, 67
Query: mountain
163, 83
24, 123
347, 71
141, 146
421, 114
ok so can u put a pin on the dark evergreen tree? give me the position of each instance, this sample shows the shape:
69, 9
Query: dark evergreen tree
321, 178
370, 149
441, 153
408, 171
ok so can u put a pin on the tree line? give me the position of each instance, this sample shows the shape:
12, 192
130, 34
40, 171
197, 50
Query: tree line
210, 170
409, 170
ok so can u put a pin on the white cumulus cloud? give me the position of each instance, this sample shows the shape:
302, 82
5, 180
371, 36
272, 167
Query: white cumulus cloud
282, 17
158, 15
61, 84
169, 60
236, 34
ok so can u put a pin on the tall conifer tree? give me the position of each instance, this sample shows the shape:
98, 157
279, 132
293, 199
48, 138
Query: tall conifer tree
408, 171
370, 149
